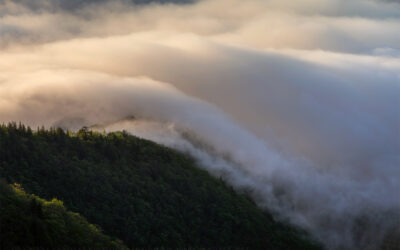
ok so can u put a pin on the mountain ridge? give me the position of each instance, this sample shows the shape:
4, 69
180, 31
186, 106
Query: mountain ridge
143, 193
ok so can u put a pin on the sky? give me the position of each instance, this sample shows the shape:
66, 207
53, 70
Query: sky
295, 103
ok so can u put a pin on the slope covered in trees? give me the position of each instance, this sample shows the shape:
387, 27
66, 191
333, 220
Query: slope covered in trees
145, 194
28, 221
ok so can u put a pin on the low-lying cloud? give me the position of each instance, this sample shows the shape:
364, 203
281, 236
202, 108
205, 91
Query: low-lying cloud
297, 103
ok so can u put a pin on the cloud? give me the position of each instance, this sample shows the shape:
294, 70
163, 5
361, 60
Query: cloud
294, 102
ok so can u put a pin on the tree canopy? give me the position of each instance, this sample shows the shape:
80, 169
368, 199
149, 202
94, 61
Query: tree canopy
143, 193
29, 221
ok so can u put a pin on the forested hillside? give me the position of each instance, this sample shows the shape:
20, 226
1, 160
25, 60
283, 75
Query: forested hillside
145, 194
28, 221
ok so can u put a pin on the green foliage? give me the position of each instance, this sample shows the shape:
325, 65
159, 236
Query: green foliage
29, 221
142, 193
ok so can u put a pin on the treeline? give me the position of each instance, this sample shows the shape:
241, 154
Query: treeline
145, 194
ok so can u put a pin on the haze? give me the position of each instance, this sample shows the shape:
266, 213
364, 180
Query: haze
296, 103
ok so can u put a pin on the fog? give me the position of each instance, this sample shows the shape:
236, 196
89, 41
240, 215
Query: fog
294, 103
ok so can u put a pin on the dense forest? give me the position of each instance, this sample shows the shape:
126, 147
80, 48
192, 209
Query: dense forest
135, 190
26, 221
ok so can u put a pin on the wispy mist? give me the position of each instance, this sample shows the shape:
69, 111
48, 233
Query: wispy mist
295, 102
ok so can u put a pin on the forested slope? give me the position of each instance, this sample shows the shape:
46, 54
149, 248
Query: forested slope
145, 194
28, 221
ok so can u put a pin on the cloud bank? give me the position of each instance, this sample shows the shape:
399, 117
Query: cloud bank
295, 103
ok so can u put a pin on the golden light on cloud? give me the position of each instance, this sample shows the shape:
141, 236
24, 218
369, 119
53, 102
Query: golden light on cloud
303, 96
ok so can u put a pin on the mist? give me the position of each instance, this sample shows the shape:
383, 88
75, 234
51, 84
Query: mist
296, 104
